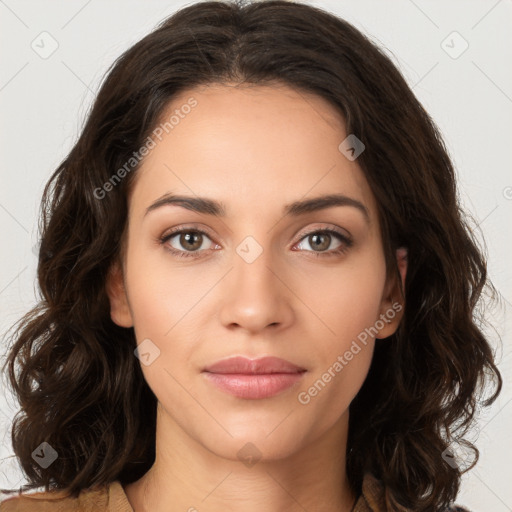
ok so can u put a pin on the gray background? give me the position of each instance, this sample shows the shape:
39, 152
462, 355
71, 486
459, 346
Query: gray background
44, 98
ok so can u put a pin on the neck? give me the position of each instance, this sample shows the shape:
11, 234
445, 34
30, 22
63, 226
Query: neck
187, 476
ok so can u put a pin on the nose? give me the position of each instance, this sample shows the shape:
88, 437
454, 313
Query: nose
256, 296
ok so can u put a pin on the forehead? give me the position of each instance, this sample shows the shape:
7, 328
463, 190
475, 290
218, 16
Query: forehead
250, 147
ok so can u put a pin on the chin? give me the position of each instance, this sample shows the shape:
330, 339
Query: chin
264, 442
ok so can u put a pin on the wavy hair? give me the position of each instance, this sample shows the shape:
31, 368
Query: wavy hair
73, 371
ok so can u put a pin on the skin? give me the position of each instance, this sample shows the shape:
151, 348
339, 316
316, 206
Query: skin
255, 149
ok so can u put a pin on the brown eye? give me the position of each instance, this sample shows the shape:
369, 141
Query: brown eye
187, 242
320, 241
191, 240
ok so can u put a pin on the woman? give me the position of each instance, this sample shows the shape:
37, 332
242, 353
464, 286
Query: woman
258, 288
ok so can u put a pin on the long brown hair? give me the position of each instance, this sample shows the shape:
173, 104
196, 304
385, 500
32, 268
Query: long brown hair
73, 370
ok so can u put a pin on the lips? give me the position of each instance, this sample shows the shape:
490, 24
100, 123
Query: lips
253, 378
264, 365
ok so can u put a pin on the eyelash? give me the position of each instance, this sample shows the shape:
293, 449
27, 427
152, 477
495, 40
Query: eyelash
346, 242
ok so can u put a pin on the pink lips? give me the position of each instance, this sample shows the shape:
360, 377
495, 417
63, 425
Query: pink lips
253, 378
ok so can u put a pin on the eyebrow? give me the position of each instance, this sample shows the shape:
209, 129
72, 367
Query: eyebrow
212, 207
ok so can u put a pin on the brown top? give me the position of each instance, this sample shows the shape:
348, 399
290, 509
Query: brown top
113, 499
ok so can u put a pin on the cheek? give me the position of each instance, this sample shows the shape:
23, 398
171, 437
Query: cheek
348, 302
346, 298
349, 306
327, 395
161, 295
166, 304
162, 307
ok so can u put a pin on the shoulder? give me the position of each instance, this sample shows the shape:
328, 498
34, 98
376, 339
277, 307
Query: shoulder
104, 499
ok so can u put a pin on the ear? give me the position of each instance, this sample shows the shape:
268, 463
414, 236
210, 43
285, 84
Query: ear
119, 308
393, 301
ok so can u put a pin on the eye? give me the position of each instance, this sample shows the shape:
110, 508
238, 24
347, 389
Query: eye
321, 240
186, 242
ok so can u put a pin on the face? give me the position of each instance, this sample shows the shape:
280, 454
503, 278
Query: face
260, 267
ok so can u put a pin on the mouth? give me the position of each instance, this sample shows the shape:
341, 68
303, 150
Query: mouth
253, 379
